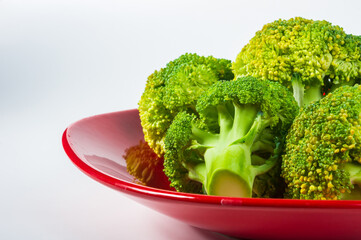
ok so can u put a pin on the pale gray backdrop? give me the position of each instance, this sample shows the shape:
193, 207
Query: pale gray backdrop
61, 61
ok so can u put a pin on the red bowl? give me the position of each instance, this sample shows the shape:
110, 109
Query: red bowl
96, 145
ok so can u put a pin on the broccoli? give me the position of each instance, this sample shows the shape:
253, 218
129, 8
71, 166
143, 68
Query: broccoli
309, 57
323, 148
231, 147
145, 166
176, 88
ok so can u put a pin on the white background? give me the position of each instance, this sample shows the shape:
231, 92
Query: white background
61, 61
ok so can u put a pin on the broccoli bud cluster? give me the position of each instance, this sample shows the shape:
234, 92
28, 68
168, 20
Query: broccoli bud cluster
303, 54
283, 119
322, 146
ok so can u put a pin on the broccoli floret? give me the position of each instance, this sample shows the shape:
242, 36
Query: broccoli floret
323, 148
309, 57
176, 88
146, 166
234, 140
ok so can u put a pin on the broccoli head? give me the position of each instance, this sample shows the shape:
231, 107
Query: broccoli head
323, 148
310, 57
176, 88
145, 166
232, 146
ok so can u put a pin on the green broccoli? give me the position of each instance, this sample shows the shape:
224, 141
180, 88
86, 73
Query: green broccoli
309, 57
231, 147
176, 88
323, 148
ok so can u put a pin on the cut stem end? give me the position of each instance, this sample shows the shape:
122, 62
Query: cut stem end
227, 184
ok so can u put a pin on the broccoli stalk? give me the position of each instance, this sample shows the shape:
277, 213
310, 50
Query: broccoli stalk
228, 165
304, 95
235, 139
354, 171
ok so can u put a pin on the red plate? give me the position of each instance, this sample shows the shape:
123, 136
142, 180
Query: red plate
96, 145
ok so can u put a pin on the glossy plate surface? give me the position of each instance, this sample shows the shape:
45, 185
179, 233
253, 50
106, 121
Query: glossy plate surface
96, 145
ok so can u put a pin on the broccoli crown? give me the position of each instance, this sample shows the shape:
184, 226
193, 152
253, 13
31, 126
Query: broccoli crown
301, 52
233, 141
145, 166
176, 88
323, 147
179, 159
273, 100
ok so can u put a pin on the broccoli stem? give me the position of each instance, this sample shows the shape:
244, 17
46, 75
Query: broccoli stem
265, 146
298, 91
228, 165
354, 170
230, 172
257, 160
312, 93
305, 96
198, 172
205, 139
